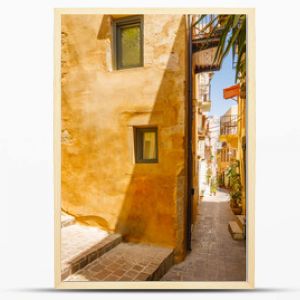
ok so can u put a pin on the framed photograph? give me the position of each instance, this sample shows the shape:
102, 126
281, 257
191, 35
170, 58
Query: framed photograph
154, 128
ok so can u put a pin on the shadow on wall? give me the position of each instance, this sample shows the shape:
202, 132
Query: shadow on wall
90, 220
97, 183
153, 209
104, 29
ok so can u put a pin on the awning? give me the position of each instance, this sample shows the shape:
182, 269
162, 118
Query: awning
204, 60
232, 91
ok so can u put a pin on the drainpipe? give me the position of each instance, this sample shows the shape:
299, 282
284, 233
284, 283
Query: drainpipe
190, 190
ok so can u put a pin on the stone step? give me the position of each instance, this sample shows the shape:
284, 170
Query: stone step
241, 221
66, 220
128, 262
81, 245
235, 231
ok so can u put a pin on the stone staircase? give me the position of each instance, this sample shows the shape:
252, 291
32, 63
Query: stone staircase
127, 262
91, 254
237, 228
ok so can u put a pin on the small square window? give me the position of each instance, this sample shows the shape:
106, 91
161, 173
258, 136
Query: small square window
145, 143
129, 42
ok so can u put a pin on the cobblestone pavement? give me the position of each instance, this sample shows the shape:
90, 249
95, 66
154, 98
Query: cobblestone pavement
76, 238
127, 262
215, 256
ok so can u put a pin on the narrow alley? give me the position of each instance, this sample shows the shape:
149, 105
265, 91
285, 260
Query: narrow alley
215, 256
141, 157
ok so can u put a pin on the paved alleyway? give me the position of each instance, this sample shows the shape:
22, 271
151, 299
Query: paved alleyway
127, 262
215, 256
91, 254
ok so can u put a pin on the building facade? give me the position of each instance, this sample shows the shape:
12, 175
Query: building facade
124, 125
229, 144
202, 106
233, 135
126, 155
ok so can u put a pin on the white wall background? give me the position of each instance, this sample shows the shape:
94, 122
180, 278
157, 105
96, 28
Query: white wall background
26, 165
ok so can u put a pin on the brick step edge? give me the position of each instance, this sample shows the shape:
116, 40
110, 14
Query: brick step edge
241, 221
163, 268
235, 231
91, 254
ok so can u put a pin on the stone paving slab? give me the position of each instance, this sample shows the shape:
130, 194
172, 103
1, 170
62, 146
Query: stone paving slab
82, 244
127, 262
215, 256
235, 231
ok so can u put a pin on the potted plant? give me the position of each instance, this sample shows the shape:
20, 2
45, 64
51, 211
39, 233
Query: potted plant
235, 187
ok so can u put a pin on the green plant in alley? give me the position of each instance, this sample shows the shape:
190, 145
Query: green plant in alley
213, 186
235, 183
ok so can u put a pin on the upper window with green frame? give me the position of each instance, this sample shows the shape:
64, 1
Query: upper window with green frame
129, 42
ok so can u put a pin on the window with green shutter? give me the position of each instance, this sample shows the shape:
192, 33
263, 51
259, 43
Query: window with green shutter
129, 42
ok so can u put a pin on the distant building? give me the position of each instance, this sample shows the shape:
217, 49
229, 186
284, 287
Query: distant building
229, 143
202, 92
214, 134
233, 133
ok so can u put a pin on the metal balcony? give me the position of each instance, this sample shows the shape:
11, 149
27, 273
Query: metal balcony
203, 98
201, 134
205, 40
228, 125
204, 104
229, 131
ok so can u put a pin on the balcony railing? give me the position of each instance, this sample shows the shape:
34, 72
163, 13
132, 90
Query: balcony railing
206, 34
227, 155
204, 98
204, 104
207, 28
203, 28
228, 125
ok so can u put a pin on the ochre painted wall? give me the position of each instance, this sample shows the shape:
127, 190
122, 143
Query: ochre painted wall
101, 183
241, 154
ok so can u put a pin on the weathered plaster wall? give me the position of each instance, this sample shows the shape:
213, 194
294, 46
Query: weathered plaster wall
241, 154
195, 160
101, 184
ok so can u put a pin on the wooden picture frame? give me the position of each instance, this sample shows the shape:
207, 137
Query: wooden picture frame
250, 159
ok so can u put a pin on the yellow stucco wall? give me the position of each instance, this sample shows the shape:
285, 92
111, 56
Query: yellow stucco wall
240, 154
101, 183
